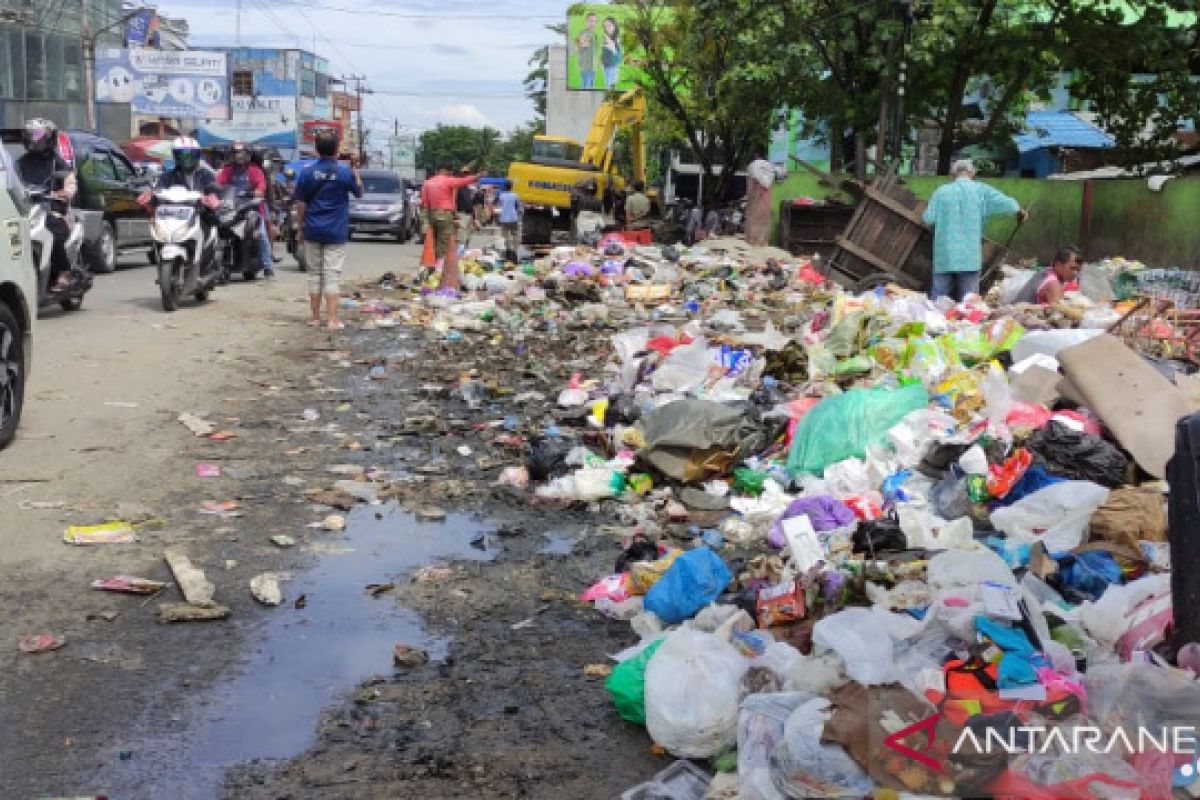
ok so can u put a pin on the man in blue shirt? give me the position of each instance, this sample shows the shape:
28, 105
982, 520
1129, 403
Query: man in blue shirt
957, 212
510, 220
323, 201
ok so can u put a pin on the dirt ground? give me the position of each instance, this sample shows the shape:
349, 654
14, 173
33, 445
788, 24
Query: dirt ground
499, 711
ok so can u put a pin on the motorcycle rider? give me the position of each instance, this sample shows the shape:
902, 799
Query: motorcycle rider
190, 173
250, 180
41, 167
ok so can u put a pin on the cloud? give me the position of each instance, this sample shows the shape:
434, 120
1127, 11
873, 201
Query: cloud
462, 114
449, 49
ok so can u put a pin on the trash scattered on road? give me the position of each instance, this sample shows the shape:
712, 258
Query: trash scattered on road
186, 612
406, 656
197, 590
40, 643
117, 532
283, 540
431, 514
126, 585
199, 427
225, 509
265, 588
208, 471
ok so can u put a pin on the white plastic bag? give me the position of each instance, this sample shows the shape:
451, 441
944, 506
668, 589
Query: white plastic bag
693, 689
963, 570
926, 530
804, 767
685, 368
917, 432
1051, 342
858, 636
1057, 516
1108, 618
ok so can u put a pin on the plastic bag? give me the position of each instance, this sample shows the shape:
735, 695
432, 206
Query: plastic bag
695, 579
912, 437
1078, 455
686, 368
693, 688
862, 641
803, 767
759, 732
627, 685
845, 425
959, 570
825, 514
1057, 516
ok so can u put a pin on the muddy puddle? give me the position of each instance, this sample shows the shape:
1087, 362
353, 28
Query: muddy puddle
305, 658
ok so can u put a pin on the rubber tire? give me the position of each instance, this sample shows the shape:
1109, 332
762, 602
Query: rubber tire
71, 303
10, 332
202, 295
166, 287
249, 275
152, 256
102, 255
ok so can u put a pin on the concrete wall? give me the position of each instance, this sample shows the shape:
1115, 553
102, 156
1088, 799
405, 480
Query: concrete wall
568, 112
1127, 219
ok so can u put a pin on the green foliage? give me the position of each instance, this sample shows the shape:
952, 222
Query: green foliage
481, 149
709, 82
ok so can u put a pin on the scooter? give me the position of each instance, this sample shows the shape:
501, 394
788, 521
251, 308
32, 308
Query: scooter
291, 227
185, 252
79, 277
238, 225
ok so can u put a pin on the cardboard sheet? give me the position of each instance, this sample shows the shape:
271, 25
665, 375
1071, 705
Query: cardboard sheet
1131, 397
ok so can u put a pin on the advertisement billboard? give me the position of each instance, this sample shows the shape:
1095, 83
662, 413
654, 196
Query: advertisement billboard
164, 83
596, 56
266, 121
141, 30
313, 126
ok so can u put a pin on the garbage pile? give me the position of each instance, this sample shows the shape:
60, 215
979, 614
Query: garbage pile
867, 542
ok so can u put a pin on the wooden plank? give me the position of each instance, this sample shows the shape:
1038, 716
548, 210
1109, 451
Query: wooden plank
865, 255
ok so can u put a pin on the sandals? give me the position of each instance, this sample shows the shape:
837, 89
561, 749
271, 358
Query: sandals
314, 323
336, 326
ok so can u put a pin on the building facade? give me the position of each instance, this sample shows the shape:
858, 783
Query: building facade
41, 59
273, 92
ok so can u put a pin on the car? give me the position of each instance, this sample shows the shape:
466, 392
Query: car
109, 185
18, 300
384, 208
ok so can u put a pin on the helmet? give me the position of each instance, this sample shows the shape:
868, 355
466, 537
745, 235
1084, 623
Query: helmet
289, 172
186, 152
239, 154
40, 136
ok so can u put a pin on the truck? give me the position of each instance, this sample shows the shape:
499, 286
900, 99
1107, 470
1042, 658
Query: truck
557, 164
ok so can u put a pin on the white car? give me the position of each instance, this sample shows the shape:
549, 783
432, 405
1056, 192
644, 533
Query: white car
18, 300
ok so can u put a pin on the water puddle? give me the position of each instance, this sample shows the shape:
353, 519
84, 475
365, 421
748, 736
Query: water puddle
307, 657
557, 545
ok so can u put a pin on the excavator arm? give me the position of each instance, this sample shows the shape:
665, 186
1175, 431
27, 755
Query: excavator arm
626, 111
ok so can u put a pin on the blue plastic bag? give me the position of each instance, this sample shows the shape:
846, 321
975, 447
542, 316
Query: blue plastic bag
1090, 573
695, 579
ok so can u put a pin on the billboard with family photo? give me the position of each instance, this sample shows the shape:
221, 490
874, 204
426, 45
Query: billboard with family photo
164, 83
596, 56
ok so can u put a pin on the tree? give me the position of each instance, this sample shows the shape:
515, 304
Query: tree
1141, 90
517, 146
708, 82
456, 145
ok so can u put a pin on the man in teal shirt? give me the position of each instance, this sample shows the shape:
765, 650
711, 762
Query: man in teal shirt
957, 212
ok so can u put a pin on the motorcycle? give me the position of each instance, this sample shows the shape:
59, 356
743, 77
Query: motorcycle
185, 252
291, 227
238, 224
79, 277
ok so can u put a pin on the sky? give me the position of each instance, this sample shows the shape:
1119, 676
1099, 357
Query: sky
427, 61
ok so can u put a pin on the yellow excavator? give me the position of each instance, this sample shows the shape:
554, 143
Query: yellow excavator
558, 164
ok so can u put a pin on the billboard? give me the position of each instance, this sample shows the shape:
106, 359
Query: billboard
164, 83
313, 126
596, 55
267, 121
141, 30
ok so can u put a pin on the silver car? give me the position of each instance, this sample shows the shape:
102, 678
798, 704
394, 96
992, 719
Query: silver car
383, 208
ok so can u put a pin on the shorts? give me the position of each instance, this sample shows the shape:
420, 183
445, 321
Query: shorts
443, 224
466, 224
325, 262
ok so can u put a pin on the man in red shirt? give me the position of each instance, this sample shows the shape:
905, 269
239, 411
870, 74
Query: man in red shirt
438, 199
249, 180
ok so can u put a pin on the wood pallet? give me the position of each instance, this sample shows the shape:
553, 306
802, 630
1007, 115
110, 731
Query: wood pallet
877, 244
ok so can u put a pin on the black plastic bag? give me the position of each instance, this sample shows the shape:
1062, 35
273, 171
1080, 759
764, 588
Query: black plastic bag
1078, 456
547, 458
879, 535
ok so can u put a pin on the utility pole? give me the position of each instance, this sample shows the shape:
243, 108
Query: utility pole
88, 45
902, 79
359, 91
237, 30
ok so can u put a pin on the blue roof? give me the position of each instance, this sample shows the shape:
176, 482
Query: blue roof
1059, 129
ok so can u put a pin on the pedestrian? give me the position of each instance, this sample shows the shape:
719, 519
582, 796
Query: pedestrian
637, 207
464, 201
511, 211
479, 204
1060, 277
957, 212
438, 202
323, 202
